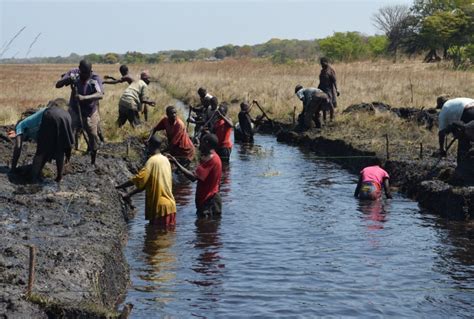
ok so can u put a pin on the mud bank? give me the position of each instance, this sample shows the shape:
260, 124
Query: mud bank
78, 229
426, 180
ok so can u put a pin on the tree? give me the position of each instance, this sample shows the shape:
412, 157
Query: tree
390, 20
344, 46
111, 58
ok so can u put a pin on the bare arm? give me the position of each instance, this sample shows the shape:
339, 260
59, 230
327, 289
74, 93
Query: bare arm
386, 187
359, 184
441, 139
227, 120
189, 175
95, 96
63, 82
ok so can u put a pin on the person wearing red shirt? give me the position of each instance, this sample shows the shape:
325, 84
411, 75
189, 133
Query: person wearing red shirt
208, 176
223, 130
179, 143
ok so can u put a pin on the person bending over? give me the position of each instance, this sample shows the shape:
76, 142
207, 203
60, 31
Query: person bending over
371, 181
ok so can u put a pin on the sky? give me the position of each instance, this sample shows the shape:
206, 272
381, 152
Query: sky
103, 26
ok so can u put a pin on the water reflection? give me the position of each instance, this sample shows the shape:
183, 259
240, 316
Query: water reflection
225, 187
373, 212
182, 190
208, 243
158, 256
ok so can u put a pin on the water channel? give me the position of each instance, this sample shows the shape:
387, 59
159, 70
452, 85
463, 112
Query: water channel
293, 242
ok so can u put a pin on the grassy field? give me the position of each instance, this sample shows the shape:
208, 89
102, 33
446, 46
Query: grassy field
409, 83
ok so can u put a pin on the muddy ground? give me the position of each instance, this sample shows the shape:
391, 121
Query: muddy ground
430, 181
78, 228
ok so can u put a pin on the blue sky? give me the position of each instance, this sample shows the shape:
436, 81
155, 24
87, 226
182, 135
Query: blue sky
150, 26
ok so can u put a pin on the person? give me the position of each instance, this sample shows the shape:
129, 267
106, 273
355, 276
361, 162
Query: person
328, 82
314, 100
68, 79
371, 181
133, 100
452, 110
156, 178
208, 176
179, 143
125, 76
201, 112
244, 130
464, 172
223, 130
51, 128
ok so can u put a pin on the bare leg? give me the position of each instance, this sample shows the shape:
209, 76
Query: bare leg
38, 164
59, 167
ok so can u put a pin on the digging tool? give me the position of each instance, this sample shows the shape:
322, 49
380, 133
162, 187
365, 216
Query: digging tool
189, 116
263, 112
73, 87
440, 159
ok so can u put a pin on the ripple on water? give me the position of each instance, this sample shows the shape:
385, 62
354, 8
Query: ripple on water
293, 242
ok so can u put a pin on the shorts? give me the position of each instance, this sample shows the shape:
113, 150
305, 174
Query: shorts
370, 190
224, 153
212, 207
128, 113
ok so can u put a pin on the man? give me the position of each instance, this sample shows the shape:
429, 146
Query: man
156, 178
201, 111
179, 143
126, 77
371, 181
51, 128
314, 100
464, 172
328, 82
244, 130
133, 100
88, 93
68, 79
208, 176
223, 130
452, 110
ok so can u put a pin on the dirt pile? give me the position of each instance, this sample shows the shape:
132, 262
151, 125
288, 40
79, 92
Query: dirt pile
425, 117
78, 229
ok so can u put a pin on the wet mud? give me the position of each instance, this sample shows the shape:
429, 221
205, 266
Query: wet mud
78, 228
430, 181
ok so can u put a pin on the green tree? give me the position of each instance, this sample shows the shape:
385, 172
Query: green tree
344, 46
111, 58
378, 45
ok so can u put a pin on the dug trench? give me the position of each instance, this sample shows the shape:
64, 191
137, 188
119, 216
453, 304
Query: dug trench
427, 180
78, 229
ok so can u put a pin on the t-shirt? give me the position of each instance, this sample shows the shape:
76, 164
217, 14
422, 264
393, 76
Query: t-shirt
74, 74
306, 95
223, 130
134, 94
374, 174
30, 126
452, 111
179, 143
91, 86
156, 178
245, 122
208, 175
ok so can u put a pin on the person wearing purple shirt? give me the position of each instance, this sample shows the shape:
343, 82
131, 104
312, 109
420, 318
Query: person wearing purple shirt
87, 93
68, 79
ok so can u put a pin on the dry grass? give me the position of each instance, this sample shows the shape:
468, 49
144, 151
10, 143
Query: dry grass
27, 86
409, 83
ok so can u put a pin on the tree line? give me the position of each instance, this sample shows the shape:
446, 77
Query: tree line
435, 29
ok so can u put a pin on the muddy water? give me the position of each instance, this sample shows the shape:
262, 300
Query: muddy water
293, 242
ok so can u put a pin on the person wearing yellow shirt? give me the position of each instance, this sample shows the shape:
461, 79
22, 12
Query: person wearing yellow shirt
156, 178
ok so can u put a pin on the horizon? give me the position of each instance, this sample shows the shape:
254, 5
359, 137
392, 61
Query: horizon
47, 32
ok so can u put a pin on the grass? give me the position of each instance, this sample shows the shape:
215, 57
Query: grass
407, 83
